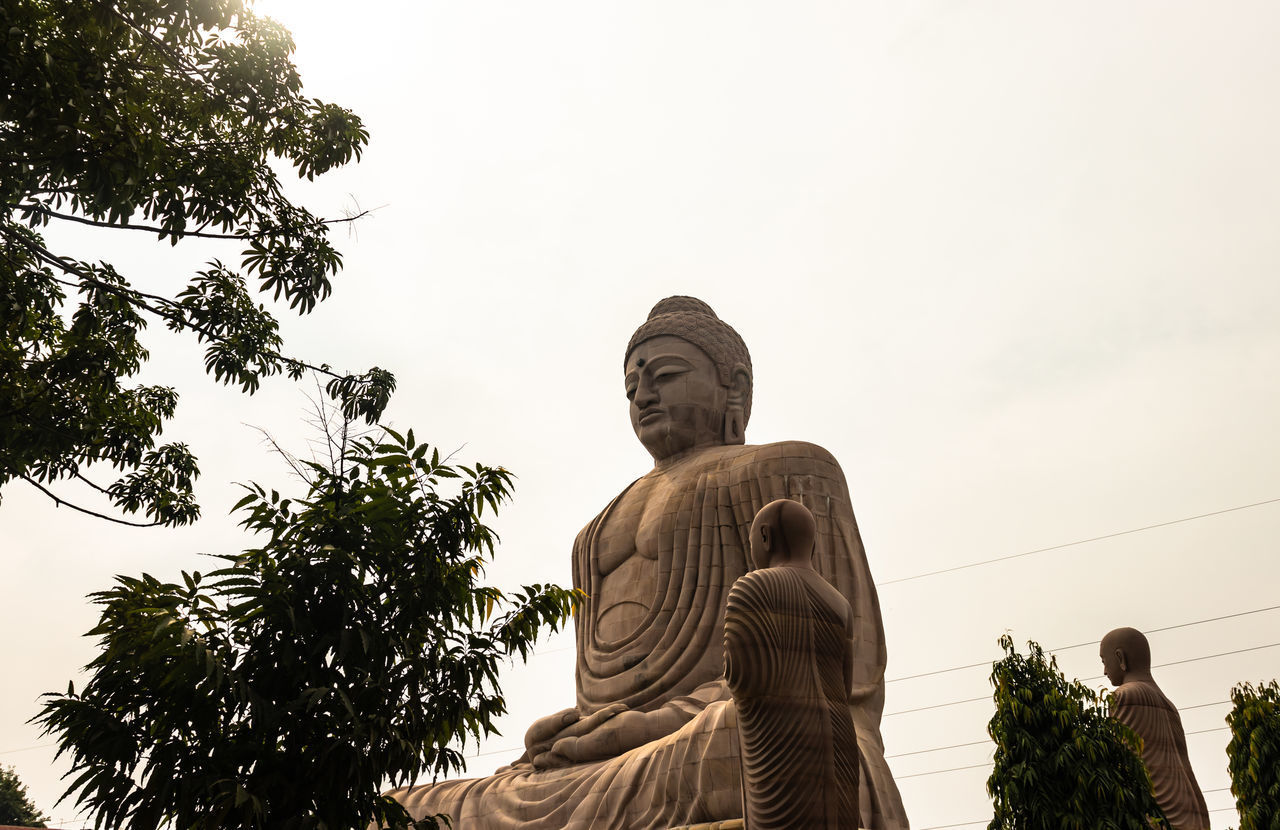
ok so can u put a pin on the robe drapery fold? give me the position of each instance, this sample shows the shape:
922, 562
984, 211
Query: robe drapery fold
787, 663
675, 659
1143, 708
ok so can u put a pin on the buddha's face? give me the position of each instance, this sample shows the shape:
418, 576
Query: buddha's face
677, 401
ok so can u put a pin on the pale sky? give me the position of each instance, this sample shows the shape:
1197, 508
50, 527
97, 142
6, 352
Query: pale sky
1014, 264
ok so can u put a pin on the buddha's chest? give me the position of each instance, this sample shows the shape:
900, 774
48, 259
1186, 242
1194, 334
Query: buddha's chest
628, 553
634, 526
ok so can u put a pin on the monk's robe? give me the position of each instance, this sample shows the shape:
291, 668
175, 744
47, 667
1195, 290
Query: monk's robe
788, 663
673, 659
1143, 708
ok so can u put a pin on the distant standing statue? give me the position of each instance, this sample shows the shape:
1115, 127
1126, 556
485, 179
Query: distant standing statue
652, 740
789, 652
1139, 704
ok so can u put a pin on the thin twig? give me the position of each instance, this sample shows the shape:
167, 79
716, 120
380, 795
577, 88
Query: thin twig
94, 485
288, 457
60, 501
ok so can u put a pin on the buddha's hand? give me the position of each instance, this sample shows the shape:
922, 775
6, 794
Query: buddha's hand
619, 734
546, 733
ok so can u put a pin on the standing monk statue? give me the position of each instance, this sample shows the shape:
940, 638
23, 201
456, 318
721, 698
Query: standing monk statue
789, 652
1139, 704
652, 740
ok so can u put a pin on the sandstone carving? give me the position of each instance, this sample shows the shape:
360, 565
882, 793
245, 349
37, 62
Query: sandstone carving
652, 740
789, 661
1138, 703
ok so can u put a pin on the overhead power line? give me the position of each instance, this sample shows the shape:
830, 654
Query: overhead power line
1089, 643
1198, 659
26, 748
936, 706
1088, 679
938, 748
940, 771
1077, 542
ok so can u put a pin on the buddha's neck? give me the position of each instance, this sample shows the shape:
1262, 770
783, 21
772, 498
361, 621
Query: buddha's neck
671, 461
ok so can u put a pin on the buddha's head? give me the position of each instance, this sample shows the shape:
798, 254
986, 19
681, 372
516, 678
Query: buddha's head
688, 377
1126, 655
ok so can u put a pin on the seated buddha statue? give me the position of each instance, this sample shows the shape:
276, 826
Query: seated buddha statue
1138, 703
651, 741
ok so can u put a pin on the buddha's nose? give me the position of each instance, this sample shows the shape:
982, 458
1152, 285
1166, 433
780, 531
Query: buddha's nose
646, 394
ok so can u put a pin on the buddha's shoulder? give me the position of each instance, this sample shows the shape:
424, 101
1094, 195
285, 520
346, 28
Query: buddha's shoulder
782, 457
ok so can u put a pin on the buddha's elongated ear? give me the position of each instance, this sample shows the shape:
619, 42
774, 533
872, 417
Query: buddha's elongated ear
739, 385
737, 403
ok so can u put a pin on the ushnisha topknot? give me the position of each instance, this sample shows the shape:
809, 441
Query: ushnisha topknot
693, 320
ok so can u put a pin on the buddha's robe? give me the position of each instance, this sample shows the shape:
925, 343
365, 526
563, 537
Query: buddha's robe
788, 663
1143, 708
690, 519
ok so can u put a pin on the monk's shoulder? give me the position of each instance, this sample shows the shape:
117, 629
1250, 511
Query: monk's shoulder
1138, 694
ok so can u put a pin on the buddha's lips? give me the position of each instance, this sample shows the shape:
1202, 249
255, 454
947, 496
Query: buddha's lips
650, 414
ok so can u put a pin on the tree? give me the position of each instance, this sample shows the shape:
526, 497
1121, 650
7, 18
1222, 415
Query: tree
160, 117
1254, 754
356, 645
1061, 763
15, 808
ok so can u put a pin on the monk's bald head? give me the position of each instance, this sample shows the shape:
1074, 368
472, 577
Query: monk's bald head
783, 533
1124, 652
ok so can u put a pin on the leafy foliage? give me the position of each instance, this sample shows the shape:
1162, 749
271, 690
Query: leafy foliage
1254, 754
1061, 763
160, 117
357, 644
15, 808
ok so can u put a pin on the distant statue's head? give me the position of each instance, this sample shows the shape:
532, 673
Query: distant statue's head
782, 534
688, 377
1126, 655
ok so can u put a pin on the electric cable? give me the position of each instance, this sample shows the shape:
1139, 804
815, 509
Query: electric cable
1089, 643
25, 748
1088, 679
1077, 542
1196, 659
940, 771
938, 749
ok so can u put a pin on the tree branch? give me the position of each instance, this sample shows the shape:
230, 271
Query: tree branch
139, 298
95, 486
44, 211
175, 58
60, 501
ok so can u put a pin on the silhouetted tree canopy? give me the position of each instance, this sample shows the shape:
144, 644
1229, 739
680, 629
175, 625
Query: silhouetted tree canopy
1061, 763
356, 645
15, 808
1254, 754
161, 118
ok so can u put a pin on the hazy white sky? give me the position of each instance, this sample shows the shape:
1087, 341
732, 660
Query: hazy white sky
1013, 264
